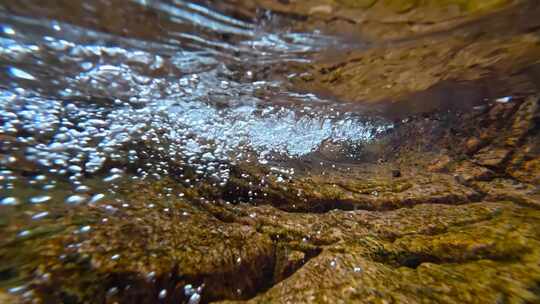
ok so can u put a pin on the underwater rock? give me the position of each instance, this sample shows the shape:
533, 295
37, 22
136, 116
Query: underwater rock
440, 205
388, 19
442, 263
441, 164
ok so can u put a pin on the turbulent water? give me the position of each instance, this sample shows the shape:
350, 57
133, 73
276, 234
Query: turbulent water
79, 102
88, 103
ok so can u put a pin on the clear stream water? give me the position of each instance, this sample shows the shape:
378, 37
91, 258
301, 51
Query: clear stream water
96, 94
73, 98
80, 101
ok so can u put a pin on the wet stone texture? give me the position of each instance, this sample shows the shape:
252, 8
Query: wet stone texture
441, 207
388, 19
435, 48
347, 234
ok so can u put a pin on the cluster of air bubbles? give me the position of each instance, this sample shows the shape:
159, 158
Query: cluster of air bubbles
106, 112
83, 112
193, 293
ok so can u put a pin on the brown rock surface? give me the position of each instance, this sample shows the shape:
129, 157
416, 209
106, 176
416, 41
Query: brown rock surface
460, 223
353, 233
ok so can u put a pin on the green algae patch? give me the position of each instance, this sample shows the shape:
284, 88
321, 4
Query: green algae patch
357, 3
400, 6
475, 5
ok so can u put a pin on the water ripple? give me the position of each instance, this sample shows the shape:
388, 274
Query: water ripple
76, 101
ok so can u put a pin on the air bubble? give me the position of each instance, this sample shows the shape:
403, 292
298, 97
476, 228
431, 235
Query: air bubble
18, 73
9, 201
40, 199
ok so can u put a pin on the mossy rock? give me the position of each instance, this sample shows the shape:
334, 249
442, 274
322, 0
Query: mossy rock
400, 6
357, 3
472, 5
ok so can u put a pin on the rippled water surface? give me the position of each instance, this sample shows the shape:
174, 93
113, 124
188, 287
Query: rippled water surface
75, 98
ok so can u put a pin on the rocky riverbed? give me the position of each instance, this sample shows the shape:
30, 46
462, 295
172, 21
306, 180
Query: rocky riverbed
364, 152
